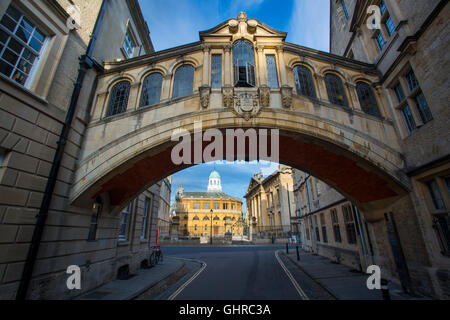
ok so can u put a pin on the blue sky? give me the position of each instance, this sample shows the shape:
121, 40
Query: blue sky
177, 22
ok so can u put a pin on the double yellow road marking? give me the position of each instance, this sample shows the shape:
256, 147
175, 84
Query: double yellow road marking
289, 274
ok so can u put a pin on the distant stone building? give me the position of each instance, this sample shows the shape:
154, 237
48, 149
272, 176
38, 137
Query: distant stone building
211, 213
163, 223
330, 225
270, 203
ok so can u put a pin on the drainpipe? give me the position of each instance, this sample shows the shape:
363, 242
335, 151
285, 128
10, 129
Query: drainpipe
86, 62
313, 231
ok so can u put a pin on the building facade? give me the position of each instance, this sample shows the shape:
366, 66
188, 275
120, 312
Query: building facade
210, 214
329, 224
41, 83
164, 209
409, 46
271, 204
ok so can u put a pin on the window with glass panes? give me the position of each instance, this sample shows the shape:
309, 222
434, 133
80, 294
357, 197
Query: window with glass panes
349, 224
415, 97
344, 7
125, 222
147, 206
20, 45
390, 26
183, 81
304, 82
118, 99
324, 228
151, 90
379, 40
336, 227
439, 196
408, 118
272, 75
216, 71
367, 99
128, 45
422, 106
335, 89
205, 205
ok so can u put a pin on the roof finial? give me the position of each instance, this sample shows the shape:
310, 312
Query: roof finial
242, 16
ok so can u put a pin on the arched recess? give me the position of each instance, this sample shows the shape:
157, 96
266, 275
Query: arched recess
366, 171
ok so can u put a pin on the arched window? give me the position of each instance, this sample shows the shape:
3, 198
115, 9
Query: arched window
335, 89
118, 99
196, 218
304, 82
151, 90
183, 84
205, 219
244, 64
367, 99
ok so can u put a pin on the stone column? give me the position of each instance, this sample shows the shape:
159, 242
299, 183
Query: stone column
206, 65
261, 69
133, 101
283, 74
353, 100
165, 94
321, 89
228, 69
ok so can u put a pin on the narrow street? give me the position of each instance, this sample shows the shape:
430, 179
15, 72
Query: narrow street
243, 273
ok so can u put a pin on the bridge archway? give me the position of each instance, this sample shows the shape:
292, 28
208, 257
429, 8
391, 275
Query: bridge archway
363, 169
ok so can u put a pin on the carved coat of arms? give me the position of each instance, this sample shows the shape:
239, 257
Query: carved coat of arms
246, 104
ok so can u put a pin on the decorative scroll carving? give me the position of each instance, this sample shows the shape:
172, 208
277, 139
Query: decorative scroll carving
286, 96
227, 97
205, 92
264, 96
233, 24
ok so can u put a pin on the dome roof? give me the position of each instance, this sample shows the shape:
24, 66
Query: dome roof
214, 174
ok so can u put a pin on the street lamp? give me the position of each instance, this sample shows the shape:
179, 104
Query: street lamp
210, 231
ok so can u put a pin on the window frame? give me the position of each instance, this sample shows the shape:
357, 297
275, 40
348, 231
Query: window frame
145, 89
38, 55
185, 93
127, 211
272, 75
216, 73
308, 77
248, 66
367, 109
124, 107
145, 216
332, 95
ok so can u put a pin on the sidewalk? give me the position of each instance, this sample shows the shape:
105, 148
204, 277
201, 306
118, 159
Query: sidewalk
137, 284
343, 282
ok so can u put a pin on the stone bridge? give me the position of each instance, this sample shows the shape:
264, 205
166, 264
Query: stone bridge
332, 117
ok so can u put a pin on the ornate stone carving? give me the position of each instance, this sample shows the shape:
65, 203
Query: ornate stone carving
286, 96
242, 20
227, 97
246, 104
264, 96
205, 92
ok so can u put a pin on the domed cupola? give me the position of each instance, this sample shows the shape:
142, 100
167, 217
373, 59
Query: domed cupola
214, 184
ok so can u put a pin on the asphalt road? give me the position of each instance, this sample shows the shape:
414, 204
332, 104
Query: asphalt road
237, 273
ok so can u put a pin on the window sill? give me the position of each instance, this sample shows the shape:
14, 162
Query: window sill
123, 243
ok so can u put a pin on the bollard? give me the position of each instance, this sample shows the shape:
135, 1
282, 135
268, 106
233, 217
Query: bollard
287, 248
298, 254
385, 289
